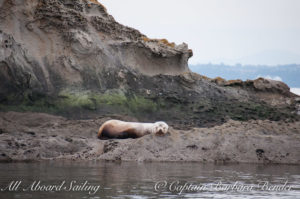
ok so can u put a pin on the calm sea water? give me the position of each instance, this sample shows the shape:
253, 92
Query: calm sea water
99, 179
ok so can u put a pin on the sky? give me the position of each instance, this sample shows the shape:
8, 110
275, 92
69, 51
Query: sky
219, 31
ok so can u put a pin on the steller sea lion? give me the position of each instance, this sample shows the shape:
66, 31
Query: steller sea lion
121, 130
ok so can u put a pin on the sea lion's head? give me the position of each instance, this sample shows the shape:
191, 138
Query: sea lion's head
161, 128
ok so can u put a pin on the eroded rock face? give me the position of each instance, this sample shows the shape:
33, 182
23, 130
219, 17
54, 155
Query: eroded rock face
73, 59
51, 44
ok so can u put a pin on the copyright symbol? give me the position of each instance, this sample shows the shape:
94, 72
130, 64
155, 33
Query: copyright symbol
160, 186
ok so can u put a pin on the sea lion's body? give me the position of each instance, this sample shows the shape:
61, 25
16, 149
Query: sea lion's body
116, 129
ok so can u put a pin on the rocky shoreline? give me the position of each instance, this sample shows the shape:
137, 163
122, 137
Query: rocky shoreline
68, 66
39, 136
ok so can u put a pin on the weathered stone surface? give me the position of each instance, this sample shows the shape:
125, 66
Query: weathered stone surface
50, 45
71, 58
38, 136
57, 50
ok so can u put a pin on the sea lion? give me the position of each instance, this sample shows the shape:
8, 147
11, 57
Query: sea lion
121, 130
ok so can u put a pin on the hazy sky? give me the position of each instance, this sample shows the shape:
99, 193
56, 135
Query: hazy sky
229, 31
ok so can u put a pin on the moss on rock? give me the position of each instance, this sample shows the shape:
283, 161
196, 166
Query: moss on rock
179, 112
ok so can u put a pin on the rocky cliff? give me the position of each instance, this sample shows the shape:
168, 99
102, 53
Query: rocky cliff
50, 45
72, 58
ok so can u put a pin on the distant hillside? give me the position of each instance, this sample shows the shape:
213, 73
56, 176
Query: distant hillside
287, 73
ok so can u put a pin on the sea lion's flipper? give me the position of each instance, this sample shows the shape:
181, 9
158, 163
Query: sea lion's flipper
128, 133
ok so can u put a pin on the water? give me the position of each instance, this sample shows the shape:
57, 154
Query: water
148, 180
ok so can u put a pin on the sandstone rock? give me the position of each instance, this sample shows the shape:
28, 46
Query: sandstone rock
48, 45
72, 58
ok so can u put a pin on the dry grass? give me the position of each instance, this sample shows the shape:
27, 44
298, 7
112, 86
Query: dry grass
160, 41
166, 42
236, 81
98, 3
219, 79
205, 77
146, 39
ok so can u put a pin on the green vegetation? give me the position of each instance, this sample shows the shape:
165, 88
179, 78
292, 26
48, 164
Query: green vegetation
182, 111
71, 101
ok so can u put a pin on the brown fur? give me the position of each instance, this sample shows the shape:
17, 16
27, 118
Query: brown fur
118, 129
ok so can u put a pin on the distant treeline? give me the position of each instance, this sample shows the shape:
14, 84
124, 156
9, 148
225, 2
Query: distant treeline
290, 74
